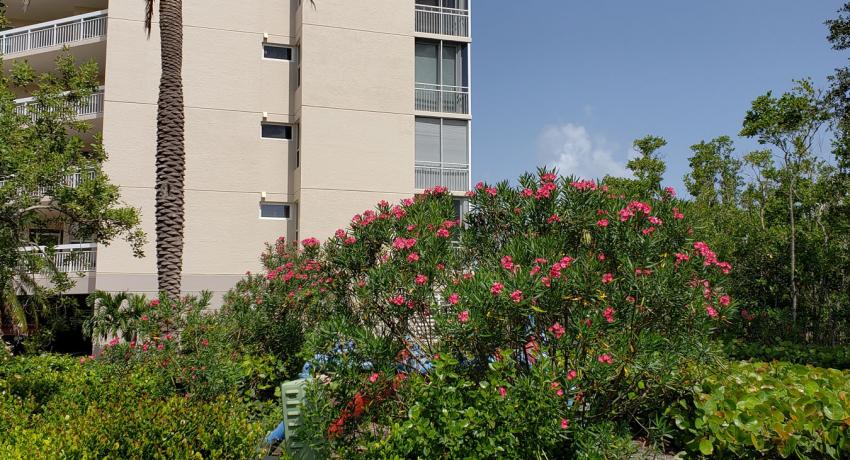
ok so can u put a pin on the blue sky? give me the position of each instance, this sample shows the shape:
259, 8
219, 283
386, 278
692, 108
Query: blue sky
575, 82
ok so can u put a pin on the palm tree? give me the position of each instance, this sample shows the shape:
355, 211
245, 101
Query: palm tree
170, 152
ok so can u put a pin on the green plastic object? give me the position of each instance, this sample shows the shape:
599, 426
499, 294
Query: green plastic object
292, 396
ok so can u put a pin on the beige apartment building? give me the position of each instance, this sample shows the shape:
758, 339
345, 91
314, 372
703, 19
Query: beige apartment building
299, 114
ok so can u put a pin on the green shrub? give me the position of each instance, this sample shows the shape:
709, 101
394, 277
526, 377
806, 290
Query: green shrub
834, 357
760, 409
57, 407
619, 295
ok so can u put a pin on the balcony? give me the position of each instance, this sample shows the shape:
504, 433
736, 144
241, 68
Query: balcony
45, 35
91, 107
442, 98
71, 180
439, 20
454, 177
70, 258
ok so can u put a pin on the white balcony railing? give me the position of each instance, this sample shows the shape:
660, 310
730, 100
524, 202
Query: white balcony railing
70, 258
64, 31
91, 106
71, 180
442, 98
454, 177
442, 21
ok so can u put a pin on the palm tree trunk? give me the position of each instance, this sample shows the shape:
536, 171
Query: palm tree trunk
170, 153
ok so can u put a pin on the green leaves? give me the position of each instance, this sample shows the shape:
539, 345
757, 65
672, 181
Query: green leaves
759, 409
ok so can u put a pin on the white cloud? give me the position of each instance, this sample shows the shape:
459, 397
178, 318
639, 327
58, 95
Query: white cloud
572, 150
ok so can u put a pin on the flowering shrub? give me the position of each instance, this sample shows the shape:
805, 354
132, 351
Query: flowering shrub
618, 297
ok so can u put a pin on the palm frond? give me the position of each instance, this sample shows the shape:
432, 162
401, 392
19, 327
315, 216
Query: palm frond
148, 16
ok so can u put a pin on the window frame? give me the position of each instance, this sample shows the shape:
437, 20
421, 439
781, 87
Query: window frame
287, 206
292, 54
271, 123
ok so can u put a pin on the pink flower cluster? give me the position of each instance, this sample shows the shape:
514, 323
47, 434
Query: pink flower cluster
710, 258
403, 243
557, 330
608, 314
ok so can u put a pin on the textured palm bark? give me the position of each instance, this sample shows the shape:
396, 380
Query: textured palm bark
170, 153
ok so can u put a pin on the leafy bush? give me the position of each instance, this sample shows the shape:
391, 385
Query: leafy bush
835, 357
58, 407
618, 294
759, 409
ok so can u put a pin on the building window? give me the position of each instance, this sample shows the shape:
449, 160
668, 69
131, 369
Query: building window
274, 211
442, 141
441, 63
298, 148
45, 237
279, 52
276, 131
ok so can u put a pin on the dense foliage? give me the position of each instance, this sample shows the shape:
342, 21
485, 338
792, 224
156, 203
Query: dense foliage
59, 407
758, 409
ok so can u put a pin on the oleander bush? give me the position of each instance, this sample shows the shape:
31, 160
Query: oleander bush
618, 297
756, 410
59, 407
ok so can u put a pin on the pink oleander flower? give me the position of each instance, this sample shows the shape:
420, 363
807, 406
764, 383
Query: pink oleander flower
680, 257
572, 374
463, 316
397, 300
340, 233
516, 296
492, 191
677, 215
350, 240
559, 392
546, 281
373, 378
557, 330
442, 233
608, 314
711, 311
421, 280
655, 221
725, 300
565, 424
602, 223
670, 191
503, 392
205, 342
413, 257
454, 299
648, 230
600, 257
553, 218
496, 288
527, 193
625, 214
310, 243
507, 263
605, 359
154, 303
548, 177
607, 278
631, 299
144, 317
534, 270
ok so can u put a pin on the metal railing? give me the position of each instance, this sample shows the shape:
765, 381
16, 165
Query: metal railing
90, 106
54, 33
454, 177
442, 98
71, 180
442, 21
69, 258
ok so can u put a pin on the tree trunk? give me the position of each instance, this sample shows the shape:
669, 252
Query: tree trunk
170, 153
793, 246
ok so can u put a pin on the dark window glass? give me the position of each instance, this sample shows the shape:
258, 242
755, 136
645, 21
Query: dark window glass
277, 52
274, 131
274, 211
